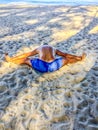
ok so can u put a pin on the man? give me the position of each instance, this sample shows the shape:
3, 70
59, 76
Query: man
46, 61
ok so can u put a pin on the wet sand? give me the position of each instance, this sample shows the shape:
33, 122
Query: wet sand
63, 100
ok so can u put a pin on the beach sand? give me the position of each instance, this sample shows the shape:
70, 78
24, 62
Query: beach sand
63, 100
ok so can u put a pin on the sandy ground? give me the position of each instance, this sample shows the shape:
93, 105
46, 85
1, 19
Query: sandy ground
64, 100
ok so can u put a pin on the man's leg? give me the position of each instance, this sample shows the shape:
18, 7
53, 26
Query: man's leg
18, 60
73, 59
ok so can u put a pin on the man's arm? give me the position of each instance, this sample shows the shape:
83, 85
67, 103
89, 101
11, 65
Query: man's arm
28, 54
34, 52
60, 53
25, 55
70, 56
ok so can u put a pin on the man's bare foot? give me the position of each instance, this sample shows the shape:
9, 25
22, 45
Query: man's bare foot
83, 55
7, 57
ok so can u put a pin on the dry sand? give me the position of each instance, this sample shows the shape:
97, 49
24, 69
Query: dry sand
64, 100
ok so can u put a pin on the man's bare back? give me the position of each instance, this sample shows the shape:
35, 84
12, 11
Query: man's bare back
46, 53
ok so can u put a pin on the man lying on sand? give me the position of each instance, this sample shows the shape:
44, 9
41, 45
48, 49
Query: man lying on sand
46, 61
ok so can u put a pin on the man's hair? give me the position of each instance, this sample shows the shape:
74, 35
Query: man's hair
45, 43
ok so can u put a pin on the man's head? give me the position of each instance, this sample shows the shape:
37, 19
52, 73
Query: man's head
45, 43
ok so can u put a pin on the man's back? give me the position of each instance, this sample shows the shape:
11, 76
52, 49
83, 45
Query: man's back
46, 53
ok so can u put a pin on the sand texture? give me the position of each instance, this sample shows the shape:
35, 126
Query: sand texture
63, 100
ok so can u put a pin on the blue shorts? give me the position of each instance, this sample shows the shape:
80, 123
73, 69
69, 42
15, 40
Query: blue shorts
44, 66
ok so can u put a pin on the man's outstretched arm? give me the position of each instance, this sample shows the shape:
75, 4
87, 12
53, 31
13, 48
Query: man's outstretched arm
23, 56
28, 54
70, 56
60, 53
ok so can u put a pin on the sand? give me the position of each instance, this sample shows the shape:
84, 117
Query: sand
63, 100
